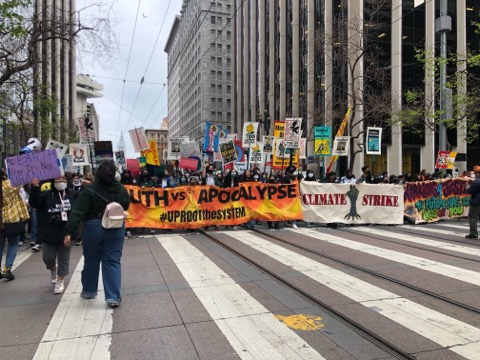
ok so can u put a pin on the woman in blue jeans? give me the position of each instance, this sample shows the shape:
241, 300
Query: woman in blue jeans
14, 210
100, 246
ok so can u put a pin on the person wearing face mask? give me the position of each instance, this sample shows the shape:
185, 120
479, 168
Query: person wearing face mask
53, 210
474, 211
310, 176
349, 178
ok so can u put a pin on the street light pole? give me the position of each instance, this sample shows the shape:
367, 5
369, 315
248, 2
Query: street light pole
443, 24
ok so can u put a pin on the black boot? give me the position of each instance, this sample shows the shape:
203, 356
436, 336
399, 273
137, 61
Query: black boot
8, 275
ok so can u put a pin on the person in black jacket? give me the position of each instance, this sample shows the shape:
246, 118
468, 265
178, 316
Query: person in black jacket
474, 211
53, 209
100, 245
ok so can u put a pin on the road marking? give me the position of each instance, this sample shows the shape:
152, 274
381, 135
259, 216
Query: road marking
414, 239
253, 332
436, 267
301, 322
422, 228
448, 332
79, 329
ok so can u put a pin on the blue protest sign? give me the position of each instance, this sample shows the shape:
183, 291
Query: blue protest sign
23, 168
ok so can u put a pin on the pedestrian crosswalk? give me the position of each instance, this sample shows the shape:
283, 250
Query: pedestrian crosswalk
228, 290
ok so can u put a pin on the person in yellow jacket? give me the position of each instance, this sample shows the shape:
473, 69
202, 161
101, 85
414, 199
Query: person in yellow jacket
14, 211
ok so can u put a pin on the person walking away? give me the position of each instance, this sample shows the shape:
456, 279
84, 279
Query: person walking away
474, 211
53, 209
14, 211
100, 246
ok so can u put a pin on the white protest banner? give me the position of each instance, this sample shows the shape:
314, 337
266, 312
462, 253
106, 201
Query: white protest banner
61, 148
352, 203
341, 146
374, 141
174, 147
139, 139
79, 154
86, 129
256, 155
293, 130
249, 136
43, 165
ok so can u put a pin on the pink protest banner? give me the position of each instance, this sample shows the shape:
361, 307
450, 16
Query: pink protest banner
188, 163
134, 166
43, 165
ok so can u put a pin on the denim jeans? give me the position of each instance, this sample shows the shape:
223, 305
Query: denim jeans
12, 249
34, 227
102, 246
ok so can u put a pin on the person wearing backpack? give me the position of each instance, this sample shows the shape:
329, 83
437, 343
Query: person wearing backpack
100, 245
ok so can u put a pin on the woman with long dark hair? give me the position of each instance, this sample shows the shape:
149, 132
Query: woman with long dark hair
100, 245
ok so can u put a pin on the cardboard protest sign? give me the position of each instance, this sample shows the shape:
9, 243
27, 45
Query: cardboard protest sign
61, 148
139, 139
120, 157
67, 163
256, 155
151, 154
190, 148
79, 154
103, 151
43, 165
374, 141
227, 149
188, 163
341, 145
302, 147
293, 131
249, 136
445, 159
323, 140
86, 129
268, 144
174, 147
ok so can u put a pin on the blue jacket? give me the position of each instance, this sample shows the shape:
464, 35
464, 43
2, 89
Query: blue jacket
474, 190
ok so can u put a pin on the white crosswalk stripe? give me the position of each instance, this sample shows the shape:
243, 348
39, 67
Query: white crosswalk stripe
250, 328
431, 229
464, 249
444, 330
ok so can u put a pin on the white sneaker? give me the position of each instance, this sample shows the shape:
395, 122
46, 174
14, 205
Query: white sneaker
53, 276
128, 234
59, 287
36, 247
294, 226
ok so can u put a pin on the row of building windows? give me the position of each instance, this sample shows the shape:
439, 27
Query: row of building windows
219, 47
218, 116
216, 88
219, 75
219, 62
218, 34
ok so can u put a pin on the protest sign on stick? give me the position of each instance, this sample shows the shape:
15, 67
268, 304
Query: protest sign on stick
43, 165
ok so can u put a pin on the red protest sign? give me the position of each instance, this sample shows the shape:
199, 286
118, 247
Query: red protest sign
188, 163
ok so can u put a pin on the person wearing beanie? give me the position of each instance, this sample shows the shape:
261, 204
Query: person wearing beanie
474, 212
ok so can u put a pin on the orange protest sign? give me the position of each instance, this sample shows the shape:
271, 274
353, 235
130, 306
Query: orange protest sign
193, 207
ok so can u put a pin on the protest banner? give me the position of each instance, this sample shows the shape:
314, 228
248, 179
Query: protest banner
86, 130
79, 154
139, 139
189, 148
61, 148
293, 131
249, 135
352, 203
374, 141
194, 207
43, 165
430, 201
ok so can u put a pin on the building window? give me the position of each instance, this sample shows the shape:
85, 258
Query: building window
212, 115
229, 35
229, 62
219, 34
219, 75
228, 48
219, 20
219, 61
229, 7
219, 102
229, 75
219, 47
212, 101
229, 89
219, 116
219, 89
212, 19
212, 87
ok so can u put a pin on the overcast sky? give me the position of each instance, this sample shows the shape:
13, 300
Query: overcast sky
145, 112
